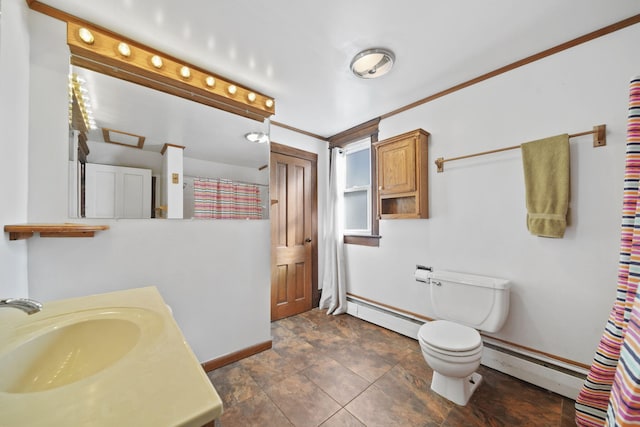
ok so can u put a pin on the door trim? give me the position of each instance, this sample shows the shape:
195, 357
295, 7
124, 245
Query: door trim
313, 158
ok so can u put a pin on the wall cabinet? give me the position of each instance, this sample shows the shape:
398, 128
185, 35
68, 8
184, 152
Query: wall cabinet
401, 170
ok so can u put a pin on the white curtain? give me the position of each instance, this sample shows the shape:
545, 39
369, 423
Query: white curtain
334, 291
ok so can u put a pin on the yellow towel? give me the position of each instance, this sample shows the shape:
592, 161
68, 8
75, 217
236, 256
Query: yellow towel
546, 179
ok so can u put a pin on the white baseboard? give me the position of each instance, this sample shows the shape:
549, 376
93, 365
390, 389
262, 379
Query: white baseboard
550, 374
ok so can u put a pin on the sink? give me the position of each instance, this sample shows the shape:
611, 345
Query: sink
117, 358
67, 354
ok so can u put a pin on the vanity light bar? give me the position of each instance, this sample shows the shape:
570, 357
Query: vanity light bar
79, 94
107, 53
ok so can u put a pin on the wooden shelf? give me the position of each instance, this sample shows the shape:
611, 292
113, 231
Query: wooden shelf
24, 231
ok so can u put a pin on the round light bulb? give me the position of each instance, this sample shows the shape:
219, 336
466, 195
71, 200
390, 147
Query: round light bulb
210, 81
185, 72
124, 49
156, 61
232, 89
86, 36
269, 103
251, 96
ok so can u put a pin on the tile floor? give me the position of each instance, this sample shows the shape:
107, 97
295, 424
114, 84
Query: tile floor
341, 371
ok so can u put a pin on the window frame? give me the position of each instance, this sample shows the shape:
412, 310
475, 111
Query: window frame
372, 239
352, 148
359, 133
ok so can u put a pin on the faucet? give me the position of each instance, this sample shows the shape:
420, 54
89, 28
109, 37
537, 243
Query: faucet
29, 306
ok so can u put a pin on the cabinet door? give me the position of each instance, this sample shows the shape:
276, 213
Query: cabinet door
397, 167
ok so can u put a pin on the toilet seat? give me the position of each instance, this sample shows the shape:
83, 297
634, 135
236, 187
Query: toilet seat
467, 357
449, 338
451, 354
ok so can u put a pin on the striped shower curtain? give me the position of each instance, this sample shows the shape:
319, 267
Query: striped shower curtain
216, 198
610, 395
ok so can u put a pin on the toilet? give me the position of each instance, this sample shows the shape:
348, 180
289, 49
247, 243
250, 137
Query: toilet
452, 345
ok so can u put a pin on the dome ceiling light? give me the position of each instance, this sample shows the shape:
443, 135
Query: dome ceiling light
372, 63
259, 137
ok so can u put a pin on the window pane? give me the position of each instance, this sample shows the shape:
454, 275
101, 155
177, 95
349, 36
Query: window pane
358, 168
356, 206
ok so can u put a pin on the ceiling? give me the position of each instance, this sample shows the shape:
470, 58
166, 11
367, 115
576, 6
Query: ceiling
299, 51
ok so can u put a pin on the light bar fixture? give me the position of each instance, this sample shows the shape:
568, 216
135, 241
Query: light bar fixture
79, 96
106, 53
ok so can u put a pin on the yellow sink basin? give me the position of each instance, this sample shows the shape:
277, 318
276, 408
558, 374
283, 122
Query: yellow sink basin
103, 360
66, 354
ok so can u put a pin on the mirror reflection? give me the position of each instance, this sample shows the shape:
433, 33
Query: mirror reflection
136, 152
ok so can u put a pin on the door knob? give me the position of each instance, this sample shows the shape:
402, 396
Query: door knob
307, 240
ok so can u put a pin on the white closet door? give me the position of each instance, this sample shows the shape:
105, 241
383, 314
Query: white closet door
100, 191
117, 192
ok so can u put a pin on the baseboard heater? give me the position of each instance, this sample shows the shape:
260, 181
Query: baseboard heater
555, 375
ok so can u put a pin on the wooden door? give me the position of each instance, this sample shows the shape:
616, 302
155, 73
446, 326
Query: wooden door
292, 234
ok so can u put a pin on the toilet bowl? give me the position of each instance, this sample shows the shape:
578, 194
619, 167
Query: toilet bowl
452, 346
453, 351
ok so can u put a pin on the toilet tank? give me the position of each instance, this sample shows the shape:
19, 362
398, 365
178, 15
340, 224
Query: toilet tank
480, 302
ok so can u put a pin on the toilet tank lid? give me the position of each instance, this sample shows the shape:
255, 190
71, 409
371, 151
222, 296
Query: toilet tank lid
471, 279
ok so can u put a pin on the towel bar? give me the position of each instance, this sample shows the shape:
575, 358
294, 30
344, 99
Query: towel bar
599, 140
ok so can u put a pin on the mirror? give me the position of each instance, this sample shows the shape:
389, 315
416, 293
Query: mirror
126, 173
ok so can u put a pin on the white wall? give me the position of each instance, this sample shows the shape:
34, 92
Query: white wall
563, 289
203, 168
48, 120
14, 116
214, 274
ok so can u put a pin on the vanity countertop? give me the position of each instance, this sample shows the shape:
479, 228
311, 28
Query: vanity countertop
142, 373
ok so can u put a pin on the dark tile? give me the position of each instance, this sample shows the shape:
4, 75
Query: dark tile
318, 317
259, 411
470, 416
325, 339
337, 381
302, 402
234, 384
342, 419
376, 408
389, 351
297, 324
363, 362
515, 402
298, 353
268, 367
414, 388
414, 363
342, 371
353, 328
279, 333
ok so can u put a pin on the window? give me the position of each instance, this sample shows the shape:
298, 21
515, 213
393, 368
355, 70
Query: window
357, 188
360, 217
